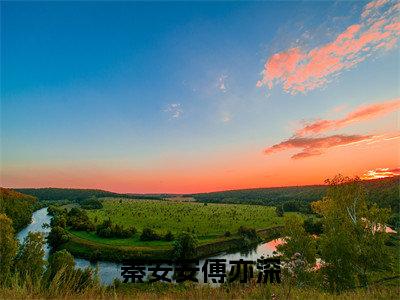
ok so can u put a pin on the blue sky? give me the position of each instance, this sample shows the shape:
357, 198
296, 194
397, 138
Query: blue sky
158, 87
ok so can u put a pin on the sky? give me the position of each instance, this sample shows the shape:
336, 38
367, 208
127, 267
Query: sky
179, 97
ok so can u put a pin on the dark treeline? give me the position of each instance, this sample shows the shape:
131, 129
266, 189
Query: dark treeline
384, 192
78, 195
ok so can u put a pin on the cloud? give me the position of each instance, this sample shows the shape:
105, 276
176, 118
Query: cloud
299, 70
175, 110
222, 83
311, 146
361, 113
381, 173
226, 117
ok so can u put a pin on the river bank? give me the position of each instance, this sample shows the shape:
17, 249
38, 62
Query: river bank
110, 270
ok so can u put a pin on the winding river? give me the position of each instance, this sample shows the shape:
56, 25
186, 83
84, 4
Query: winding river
108, 271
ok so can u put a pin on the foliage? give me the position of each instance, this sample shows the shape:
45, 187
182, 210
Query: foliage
92, 203
248, 232
109, 230
29, 261
279, 211
353, 241
59, 220
17, 206
313, 225
78, 195
384, 192
169, 236
60, 260
206, 221
79, 220
8, 247
394, 220
149, 234
185, 245
57, 236
298, 241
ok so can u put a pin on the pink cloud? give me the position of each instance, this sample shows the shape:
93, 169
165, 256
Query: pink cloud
311, 146
360, 114
299, 70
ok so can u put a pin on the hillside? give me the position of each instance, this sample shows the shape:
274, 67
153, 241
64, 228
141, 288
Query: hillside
75, 195
17, 206
384, 192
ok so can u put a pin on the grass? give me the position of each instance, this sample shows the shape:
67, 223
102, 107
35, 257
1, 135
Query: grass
194, 291
207, 221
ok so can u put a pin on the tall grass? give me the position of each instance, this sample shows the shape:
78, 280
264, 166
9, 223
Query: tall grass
64, 285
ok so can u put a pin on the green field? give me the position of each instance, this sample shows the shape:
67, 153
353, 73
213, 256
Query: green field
210, 220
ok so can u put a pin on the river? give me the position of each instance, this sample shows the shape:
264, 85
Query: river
108, 271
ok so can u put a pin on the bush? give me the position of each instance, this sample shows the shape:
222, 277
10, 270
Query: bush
92, 203
60, 260
57, 237
248, 232
227, 234
79, 220
169, 236
107, 230
149, 234
185, 245
58, 220
313, 226
279, 211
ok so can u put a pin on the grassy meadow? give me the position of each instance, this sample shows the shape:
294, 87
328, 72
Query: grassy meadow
215, 225
205, 220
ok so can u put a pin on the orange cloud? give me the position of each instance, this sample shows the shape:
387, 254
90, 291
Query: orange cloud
312, 146
381, 173
360, 114
300, 71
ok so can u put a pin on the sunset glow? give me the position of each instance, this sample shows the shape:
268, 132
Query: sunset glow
198, 97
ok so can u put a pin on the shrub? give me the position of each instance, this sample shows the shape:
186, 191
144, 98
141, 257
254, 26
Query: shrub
57, 237
185, 245
149, 234
248, 232
169, 236
92, 203
107, 230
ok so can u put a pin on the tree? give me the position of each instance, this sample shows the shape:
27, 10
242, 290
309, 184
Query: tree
353, 241
60, 261
185, 245
57, 237
279, 211
18, 207
8, 247
298, 241
30, 258
313, 226
149, 234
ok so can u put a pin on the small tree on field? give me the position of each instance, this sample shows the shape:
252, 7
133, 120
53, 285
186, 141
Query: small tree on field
185, 245
279, 211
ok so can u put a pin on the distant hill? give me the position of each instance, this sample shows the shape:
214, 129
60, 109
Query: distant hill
17, 206
383, 191
76, 195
